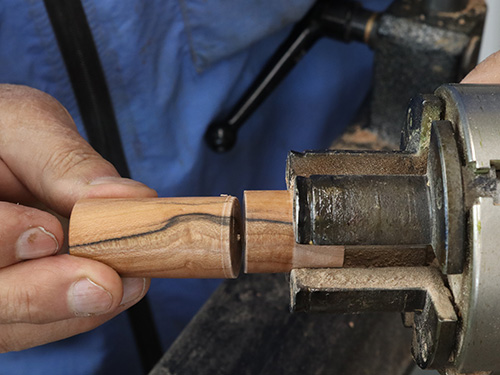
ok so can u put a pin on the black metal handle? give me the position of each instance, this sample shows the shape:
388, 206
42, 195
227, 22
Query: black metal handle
340, 20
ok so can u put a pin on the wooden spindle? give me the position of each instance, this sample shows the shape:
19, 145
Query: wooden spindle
198, 237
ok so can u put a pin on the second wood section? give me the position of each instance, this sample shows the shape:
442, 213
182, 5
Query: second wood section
270, 240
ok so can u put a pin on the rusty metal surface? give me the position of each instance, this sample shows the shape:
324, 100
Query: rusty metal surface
362, 210
382, 207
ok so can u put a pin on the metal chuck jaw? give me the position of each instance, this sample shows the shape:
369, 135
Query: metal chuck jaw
418, 227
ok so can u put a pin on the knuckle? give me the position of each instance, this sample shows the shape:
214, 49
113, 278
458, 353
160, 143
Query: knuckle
31, 110
36, 99
30, 100
63, 159
18, 305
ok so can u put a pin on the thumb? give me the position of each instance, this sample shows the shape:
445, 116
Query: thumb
486, 72
41, 146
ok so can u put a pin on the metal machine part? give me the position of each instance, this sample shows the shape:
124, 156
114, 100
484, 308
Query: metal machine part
439, 192
418, 45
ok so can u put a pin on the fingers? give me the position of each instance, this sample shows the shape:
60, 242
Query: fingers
27, 233
26, 335
486, 72
14, 337
42, 148
11, 189
43, 158
62, 287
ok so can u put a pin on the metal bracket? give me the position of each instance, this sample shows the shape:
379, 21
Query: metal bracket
400, 289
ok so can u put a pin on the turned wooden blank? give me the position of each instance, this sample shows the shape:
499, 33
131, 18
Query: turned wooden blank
195, 237
270, 241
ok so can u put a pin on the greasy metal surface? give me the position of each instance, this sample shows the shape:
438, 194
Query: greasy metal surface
342, 203
479, 185
447, 198
433, 334
416, 50
247, 329
477, 293
363, 210
422, 111
474, 108
402, 289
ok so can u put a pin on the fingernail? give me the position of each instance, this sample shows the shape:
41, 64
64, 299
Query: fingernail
133, 288
36, 243
115, 180
87, 298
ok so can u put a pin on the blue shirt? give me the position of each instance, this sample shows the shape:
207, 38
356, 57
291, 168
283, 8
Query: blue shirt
172, 67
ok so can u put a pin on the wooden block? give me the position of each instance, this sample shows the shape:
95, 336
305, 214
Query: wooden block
270, 241
197, 237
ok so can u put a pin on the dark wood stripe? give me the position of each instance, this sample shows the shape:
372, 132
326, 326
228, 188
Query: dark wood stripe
269, 221
169, 224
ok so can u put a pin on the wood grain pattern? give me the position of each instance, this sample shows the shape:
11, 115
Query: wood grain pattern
197, 237
270, 241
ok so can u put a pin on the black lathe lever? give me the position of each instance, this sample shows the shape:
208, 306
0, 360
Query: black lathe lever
342, 20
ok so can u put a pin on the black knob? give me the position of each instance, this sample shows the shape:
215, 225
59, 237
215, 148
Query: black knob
221, 137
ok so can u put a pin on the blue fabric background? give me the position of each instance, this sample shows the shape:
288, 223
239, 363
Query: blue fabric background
173, 66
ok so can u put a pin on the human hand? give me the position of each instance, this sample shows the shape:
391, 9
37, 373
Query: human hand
44, 162
486, 72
